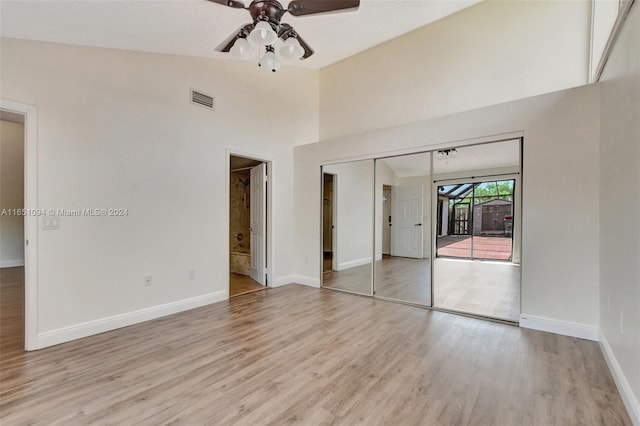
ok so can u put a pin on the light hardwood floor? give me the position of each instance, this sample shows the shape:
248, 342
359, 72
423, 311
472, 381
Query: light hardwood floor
11, 312
241, 284
489, 289
314, 357
482, 288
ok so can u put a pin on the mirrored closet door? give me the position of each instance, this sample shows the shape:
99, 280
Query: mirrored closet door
402, 229
477, 227
347, 226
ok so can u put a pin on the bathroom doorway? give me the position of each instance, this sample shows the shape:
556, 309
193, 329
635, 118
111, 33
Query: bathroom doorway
247, 225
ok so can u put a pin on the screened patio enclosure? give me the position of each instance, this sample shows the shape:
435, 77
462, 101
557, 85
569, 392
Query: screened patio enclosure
475, 220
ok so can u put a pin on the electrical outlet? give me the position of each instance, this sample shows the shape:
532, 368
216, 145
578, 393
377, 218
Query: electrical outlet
191, 273
621, 322
147, 281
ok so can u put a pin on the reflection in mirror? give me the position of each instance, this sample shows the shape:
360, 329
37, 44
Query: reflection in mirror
403, 238
476, 269
347, 222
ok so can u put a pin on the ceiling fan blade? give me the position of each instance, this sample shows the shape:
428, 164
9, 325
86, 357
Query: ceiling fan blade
312, 7
308, 51
231, 3
226, 45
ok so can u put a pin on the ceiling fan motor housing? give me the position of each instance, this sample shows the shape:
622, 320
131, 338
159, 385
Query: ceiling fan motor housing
270, 11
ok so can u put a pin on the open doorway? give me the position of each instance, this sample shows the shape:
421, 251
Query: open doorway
328, 223
247, 225
12, 234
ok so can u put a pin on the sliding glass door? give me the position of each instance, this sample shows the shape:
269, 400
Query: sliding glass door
475, 220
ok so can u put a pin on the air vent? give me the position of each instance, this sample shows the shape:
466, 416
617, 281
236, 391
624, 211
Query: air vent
203, 100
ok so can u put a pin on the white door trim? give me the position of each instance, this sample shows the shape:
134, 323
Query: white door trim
271, 165
30, 113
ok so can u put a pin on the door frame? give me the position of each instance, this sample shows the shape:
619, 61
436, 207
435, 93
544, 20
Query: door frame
30, 113
270, 166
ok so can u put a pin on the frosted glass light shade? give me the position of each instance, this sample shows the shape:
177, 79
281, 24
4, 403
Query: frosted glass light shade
269, 62
291, 49
242, 49
262, 33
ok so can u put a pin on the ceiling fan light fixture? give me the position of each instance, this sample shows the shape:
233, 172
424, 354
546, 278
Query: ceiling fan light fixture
263, 34
242, 49
291, 49
269, 62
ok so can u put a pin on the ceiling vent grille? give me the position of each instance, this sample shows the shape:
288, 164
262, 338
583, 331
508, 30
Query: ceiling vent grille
203, 100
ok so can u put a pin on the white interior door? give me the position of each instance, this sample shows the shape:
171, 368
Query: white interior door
406, 232
258, 222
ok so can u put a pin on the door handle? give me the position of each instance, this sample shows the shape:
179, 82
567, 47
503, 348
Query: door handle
418, 224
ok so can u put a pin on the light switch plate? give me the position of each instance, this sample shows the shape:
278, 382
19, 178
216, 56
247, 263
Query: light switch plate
50, 223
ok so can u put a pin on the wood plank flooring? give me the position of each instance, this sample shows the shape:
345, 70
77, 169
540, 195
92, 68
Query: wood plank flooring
11, 311
314, 357
476, 287
241, 284
489, 289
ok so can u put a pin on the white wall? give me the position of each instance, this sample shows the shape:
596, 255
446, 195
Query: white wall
116, 129
620, 210
11, 193
492, 52
354, 218
560, 239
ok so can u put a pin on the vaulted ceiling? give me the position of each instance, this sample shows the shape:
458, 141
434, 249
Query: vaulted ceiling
196, 27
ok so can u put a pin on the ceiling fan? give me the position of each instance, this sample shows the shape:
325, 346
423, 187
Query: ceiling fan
267, 30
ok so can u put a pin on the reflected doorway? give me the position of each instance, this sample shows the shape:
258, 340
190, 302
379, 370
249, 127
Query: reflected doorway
403, 199
347, 226
328, 223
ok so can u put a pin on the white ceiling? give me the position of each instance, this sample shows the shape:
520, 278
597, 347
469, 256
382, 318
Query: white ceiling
196, 27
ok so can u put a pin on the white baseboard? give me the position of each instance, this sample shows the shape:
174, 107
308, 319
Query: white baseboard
630, 400
11, 263
353, 263
66, 334
564, 328
279, 282
309, 281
